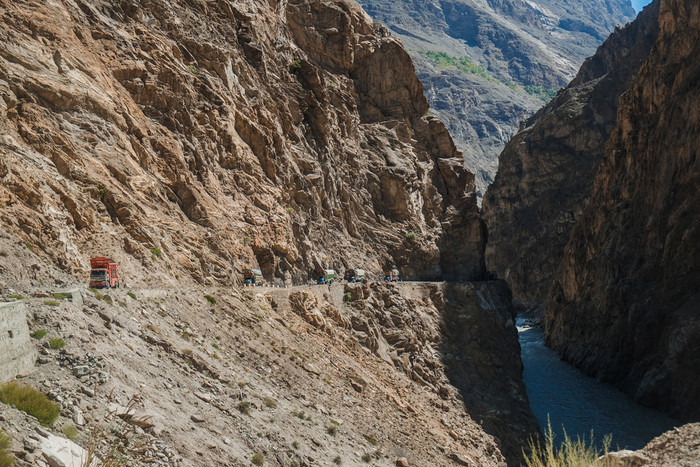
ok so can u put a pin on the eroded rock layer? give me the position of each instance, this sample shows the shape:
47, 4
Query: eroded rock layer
626, 304
546, 171
189, 140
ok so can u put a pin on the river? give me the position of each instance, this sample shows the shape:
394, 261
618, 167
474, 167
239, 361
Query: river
580, 404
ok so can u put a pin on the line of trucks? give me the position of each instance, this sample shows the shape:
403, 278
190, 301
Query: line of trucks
103, 274
323, 276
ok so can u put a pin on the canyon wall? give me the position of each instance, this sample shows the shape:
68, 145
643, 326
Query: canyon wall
188, 140
625, 305
546, 171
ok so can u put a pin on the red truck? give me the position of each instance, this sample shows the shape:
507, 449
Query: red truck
103, 273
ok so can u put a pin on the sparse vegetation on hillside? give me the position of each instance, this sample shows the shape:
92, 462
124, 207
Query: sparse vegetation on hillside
57, 343
546, 94
31, 401
463, 64
6, 458
210, 299
38, 334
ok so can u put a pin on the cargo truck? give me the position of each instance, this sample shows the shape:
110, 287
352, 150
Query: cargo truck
253, 277
103, 273
391, 275
325, 276
355, 275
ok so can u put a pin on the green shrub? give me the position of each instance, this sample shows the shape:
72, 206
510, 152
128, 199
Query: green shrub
366, 457
16, 296
31, 401
258, 459
6, 458
156, 253
3, 253
370, 440
347, 297
38, 334
71, 432
132, 295
192, 69
210, 299
29, 246
295, 444
57, 343
60, 296
51, 302
411, 235
295, 65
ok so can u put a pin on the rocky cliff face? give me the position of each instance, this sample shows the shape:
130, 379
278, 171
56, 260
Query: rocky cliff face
189, 140
625, 305
546, 171
499, 59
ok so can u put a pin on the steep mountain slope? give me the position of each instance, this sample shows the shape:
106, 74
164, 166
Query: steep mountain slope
546, 171
298, 376
189, 140
626, 305
486, 64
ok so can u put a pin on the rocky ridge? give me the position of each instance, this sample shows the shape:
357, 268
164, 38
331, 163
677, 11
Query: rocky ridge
402, 374
546, 171
625, 304
189, 140
517, 53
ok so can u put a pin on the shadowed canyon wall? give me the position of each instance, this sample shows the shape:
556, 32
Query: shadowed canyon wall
591, 212
546, 171
625, 306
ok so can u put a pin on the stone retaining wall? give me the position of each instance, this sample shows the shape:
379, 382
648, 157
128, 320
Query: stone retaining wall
17, 352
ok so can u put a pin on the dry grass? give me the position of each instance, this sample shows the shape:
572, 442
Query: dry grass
31, 401
571, 453
6, 457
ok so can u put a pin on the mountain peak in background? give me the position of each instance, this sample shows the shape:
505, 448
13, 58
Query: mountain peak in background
487, 65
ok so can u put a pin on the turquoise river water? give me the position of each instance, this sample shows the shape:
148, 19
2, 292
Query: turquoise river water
580, 404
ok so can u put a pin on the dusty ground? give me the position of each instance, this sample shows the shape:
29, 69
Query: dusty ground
222, 382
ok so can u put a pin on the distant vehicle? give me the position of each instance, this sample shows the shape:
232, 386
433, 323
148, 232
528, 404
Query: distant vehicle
324, 276
391, 275
103, 273
355, 275
253, 277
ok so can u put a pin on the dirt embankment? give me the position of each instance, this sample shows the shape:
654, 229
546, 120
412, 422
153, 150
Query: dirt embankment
302, 376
